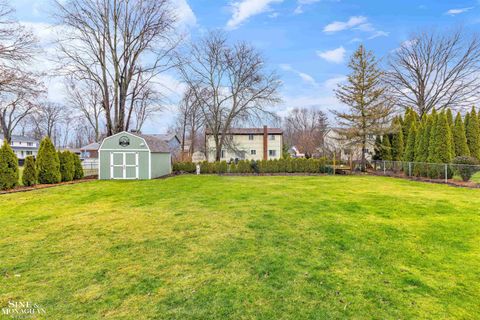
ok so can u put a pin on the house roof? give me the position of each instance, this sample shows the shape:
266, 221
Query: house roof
91, 147
167, 137
18, 138
251, 131
155, 143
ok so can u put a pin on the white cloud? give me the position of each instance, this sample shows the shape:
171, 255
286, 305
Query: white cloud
332, 83
336, 26
378, 33
184, 13
302, 3
335, 55
453, 12
243, 10
304, 76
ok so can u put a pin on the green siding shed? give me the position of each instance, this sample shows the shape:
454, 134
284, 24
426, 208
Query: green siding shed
128, 155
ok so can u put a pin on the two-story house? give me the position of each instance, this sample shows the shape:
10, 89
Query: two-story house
23, 147
247, 144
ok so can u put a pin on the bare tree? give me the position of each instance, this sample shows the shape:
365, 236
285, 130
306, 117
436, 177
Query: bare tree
305, 128
436, 70
49, 119
230, 82
85, 97
18, 88
189, 120
108, 44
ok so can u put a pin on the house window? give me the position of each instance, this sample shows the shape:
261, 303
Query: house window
250, 137
222, 154
253, 152
29, 153
272, 153
30, 144
272, 137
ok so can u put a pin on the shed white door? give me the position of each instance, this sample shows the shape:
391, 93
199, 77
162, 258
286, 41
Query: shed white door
124, 165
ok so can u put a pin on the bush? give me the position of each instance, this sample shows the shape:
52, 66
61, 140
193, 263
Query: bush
465, 167
78, 167
184, 167
48, 164
29, 177
221, 167
67, 165
244, 166
8, 167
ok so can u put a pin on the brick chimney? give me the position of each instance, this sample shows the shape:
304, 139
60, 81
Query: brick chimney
265, 143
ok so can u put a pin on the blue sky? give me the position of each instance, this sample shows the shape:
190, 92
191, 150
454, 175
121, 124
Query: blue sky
307, 41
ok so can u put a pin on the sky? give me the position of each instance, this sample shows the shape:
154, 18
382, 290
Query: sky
308, 42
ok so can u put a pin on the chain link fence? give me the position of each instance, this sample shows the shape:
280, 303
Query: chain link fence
461, 174
90, 168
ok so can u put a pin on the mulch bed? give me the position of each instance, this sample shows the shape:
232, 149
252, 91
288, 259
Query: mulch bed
450, 182
45, 186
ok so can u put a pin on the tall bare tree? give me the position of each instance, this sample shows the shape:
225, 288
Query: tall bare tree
112, 43
369, 106
230, 82
47, 120
305, 128
189, 120
436, 70
85, 97
18, 87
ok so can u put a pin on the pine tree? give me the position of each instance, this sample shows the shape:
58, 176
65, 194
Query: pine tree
364, 94
29, 176
48, 164
386, 148
411, 117
473, 135
411, 141
451, 125
442, 138
397, 141
8, 167
459, 137
67, 165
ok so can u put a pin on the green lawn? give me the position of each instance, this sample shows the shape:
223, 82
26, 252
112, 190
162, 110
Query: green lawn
211, 247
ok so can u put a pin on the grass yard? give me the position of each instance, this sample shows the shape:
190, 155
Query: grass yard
213, 247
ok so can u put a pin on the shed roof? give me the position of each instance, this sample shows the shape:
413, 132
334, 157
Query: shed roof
155, 144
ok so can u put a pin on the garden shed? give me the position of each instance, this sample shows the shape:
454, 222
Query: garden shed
128, 155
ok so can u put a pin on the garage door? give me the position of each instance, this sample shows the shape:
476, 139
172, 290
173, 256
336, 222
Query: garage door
124, 165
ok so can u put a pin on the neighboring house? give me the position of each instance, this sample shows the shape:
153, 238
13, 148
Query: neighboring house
23, 146
90, 151
346, 150
248, 144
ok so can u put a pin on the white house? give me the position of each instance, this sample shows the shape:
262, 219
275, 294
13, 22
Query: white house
346, 150
23, 146
248, 144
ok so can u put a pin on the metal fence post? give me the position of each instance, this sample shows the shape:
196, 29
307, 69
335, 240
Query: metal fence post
409, 169
446, 173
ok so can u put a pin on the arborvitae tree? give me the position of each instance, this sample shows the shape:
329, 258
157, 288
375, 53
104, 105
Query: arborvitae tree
67, 165
8, 167
386, 148
48, 164
368, 106
79, 169
29, 176
410, 148
459, 137
397, 141
426, 139
432, 136
441, 141
450, 118
378, 148
472, 134
411, 117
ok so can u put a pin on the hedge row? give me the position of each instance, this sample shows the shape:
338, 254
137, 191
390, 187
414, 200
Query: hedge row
264, 166
49, 168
